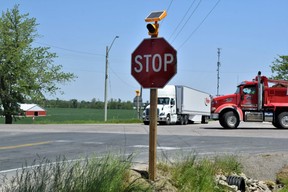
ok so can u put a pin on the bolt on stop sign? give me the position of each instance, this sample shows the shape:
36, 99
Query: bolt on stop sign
154, 63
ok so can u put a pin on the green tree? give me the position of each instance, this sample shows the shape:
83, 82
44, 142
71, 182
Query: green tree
279, 68
26, 72
74, 103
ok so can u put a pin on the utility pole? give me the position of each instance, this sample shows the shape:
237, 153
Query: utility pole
106, 79
218, 70
140, 107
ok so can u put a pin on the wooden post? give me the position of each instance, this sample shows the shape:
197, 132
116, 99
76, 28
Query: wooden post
153, 134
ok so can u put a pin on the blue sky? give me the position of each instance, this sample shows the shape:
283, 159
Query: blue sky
250, 33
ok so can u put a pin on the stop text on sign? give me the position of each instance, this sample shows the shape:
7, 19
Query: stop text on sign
153, 62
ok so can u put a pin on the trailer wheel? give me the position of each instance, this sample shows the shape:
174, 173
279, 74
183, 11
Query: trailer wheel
229, 120
204, 119
282, 120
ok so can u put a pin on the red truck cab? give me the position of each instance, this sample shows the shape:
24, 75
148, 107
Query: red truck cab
253, 101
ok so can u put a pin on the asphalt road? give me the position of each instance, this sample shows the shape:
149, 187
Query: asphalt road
20, 145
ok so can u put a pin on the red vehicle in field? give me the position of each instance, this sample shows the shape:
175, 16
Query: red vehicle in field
254, 101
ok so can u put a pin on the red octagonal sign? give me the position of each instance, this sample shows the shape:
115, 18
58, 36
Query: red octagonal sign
154, 63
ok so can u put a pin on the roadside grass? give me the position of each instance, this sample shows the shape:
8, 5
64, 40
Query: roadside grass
282, 178
108, 173
192, 174
114, 173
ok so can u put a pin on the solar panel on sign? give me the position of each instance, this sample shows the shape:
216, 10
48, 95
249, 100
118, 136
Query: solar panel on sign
155, 16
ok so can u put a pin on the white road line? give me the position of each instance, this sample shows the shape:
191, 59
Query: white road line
160, 148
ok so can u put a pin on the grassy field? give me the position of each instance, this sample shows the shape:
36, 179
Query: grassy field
79, 115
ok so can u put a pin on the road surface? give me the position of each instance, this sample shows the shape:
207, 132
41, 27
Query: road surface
20, 145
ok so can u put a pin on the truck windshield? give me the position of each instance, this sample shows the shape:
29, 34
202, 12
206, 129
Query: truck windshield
238, 87
163, 100
237, 90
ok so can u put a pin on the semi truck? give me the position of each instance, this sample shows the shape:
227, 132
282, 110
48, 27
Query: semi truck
259, 100
181, 105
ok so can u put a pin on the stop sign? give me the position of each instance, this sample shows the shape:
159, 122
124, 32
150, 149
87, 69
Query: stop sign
154, 63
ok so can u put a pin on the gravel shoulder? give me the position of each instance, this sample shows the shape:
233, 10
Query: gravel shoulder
263, 166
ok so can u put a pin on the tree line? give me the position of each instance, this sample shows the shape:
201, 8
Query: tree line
93, 104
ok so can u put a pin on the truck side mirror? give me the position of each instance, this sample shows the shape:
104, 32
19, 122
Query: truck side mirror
172, 102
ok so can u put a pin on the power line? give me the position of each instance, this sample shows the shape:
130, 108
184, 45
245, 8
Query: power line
182, 19
71, 50
187, 20
199, 24
123, 81
169, 6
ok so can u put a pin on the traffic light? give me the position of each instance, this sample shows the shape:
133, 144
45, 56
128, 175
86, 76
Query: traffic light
155, 16
137, 93
153, 29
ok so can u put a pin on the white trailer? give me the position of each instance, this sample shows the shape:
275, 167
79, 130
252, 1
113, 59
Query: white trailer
180, 104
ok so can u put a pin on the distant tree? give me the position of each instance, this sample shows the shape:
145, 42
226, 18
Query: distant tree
26, 72
74, 103
279, 68
99, 105
84, 104
127, 105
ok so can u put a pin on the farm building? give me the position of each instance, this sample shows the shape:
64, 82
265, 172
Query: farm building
32, 110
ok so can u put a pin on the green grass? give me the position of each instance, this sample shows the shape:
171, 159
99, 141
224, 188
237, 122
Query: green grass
104, 174
190, 174
81, 115
113, 173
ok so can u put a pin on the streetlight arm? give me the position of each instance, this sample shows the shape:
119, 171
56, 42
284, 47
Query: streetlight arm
112, 43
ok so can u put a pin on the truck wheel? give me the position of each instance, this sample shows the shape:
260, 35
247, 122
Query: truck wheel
168, 120
229, 120
282, 120
186, 119
146, 122
181, 120
274, 123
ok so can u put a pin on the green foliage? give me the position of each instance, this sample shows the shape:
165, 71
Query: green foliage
227, 164
74, 103
279, 68
282, 178
26, 72
103, 174
113, 173
192, 175
285, 189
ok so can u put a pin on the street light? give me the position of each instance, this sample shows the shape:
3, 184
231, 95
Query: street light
106, 78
